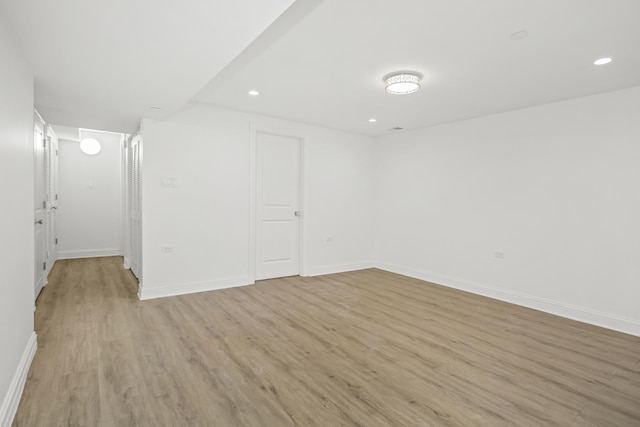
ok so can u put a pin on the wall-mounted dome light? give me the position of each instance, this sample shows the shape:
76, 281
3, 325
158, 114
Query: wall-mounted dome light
403, 82
90, 146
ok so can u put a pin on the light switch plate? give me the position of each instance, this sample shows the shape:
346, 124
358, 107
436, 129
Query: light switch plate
168, 182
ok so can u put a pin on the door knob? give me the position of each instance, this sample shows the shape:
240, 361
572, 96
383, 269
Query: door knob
297, 213
39, 221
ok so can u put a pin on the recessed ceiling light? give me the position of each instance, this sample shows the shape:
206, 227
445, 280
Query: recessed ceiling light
602, 61
519, 35
372, 120
254, 93
402, 82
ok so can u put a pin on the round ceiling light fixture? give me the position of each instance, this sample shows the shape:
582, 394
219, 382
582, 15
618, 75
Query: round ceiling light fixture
602, 61
90, 146
402, 82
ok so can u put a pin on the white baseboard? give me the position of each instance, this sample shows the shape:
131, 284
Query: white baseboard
127, 263
340, 268
145, 292
90, 253
12, 398
581, 314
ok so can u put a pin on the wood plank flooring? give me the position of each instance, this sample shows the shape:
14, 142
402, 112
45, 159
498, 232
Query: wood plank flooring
366, 348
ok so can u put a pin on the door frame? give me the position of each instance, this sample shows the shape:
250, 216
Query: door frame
253, 202
40, 125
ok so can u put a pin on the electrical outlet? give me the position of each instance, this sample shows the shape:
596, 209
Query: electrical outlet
498, 254
329, 239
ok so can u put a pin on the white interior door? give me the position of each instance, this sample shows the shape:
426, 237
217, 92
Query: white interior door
51, 176
277, 206
135, 205
39, 215
126, 202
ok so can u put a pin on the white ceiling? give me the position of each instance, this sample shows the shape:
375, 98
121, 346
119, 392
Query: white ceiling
328, 68
103, 64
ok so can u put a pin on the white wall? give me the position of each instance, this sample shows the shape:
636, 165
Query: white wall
89, 204
17, 339
206, 218
555, 188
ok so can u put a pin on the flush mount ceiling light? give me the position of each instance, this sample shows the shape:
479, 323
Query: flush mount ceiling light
254, 93
402, 82
602, 61
372, 120
519, 35
90, 146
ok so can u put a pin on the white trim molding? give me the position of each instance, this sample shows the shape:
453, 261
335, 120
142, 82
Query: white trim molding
145, 293
581, 314
90, 253
12, 398
340, 268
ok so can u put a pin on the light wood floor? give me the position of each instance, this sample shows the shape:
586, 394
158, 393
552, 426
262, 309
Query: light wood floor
367, 348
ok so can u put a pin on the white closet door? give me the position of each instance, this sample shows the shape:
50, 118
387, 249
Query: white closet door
39, 215
278, 205
135, 204
126, 202
51, 159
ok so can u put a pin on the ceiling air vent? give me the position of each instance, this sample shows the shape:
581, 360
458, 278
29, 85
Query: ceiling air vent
395, 129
